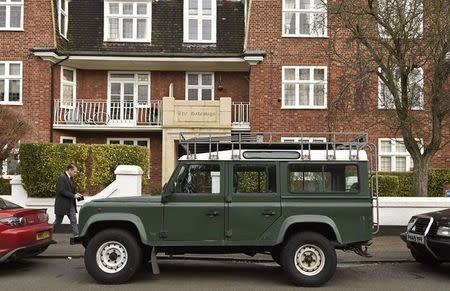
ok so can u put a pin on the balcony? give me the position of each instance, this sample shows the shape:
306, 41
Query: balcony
240, 115
103, 115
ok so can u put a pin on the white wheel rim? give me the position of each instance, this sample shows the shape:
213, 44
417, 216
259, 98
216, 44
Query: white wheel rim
111, 257
309, 260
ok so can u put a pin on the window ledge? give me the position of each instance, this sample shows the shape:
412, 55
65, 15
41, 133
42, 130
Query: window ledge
304, 36
305, 108
12, 103
12, 29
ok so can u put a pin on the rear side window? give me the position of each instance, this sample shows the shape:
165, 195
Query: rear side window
312, 178
254, 179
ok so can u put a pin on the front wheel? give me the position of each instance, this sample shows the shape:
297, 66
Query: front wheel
309, 259
113, 256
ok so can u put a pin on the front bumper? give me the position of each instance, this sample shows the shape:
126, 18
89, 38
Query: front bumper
437, 247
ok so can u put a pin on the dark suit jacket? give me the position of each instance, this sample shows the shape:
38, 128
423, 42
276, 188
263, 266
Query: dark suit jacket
65, 195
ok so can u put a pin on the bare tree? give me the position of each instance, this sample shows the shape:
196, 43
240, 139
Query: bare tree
405, 44
13, 127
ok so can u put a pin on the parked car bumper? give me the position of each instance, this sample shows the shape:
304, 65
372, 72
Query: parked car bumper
23, 242
435, 246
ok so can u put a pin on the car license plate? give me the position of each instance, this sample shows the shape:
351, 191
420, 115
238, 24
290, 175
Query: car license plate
417, 238
42, 235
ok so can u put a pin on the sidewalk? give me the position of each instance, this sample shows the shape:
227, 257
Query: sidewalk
383, 249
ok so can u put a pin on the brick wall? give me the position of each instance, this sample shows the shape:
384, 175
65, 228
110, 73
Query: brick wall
344, 113
36, 86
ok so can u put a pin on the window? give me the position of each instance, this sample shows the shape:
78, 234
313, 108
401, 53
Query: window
393, 155
11, 83
313, 178
10, 166
68, 87
254, 179
198, 179
128, 21
63, 16
304, 88
304, 139
415, 91
304, 18
200, 86
401, 16
200, 21
68, 140
144, 142
11, 14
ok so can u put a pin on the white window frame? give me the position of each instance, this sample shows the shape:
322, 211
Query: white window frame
136, 84
7, 78
393, 154
64, 11
383, 34
311, 88
199, 87
72, 138
200, 17
310, 12
123, 139
133, 16
382, 104
74, 88
304, 139
8, 4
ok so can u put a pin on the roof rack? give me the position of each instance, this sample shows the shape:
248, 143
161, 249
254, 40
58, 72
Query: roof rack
193, 143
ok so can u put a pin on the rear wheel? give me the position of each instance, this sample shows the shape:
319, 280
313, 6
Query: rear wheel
425, 259
309, 259
113, 256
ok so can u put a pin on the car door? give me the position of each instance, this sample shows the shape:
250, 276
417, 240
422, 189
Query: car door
254, 202
195, 209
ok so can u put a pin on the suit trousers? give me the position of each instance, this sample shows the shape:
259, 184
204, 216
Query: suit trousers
72, 215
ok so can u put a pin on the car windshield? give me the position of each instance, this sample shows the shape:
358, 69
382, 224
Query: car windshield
5, 205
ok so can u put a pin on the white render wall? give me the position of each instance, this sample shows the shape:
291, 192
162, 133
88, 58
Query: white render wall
128, 183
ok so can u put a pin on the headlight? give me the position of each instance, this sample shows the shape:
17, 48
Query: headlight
443, 231
12, 221
411, 223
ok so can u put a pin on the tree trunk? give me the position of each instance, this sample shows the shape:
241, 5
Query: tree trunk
420, 177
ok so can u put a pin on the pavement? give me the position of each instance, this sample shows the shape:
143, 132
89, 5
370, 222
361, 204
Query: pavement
384, 249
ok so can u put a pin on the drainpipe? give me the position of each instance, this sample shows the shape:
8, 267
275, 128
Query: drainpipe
52, 95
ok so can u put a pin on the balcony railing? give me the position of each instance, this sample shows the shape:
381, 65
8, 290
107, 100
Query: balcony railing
240, 115
104, 113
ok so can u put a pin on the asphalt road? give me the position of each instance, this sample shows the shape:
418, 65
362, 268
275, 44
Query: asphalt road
65, 275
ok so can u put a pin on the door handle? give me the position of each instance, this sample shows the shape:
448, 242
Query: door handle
268, 213
212, 214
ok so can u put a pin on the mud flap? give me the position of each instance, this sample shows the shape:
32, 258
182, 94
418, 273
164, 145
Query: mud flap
154, 262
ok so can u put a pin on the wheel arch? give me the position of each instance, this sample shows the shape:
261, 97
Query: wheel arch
127, 221
316, 223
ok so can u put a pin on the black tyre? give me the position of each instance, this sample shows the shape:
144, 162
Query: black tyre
113, 256
309, 259
426, 259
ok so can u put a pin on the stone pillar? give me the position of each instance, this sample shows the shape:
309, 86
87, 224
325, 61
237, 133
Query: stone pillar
129, 181
18, 193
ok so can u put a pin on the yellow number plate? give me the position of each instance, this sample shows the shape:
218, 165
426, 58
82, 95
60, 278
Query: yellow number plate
42, 235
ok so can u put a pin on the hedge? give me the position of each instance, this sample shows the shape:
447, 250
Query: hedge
5, 187
41, 164
400, 184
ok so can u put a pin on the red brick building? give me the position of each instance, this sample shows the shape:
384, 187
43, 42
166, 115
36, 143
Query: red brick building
96, 71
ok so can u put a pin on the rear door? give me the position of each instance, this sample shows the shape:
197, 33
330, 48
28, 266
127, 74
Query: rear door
253, 200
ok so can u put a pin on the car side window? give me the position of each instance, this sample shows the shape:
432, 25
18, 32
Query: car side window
313, 178
254, 179
198, 178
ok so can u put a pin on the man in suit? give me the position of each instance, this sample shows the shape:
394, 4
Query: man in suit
66, 194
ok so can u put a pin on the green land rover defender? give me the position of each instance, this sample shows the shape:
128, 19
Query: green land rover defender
297, 200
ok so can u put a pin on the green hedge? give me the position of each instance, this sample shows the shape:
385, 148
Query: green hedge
5, 187
41, 164
400, 184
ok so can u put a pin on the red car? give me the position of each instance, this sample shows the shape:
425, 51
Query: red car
23, 232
